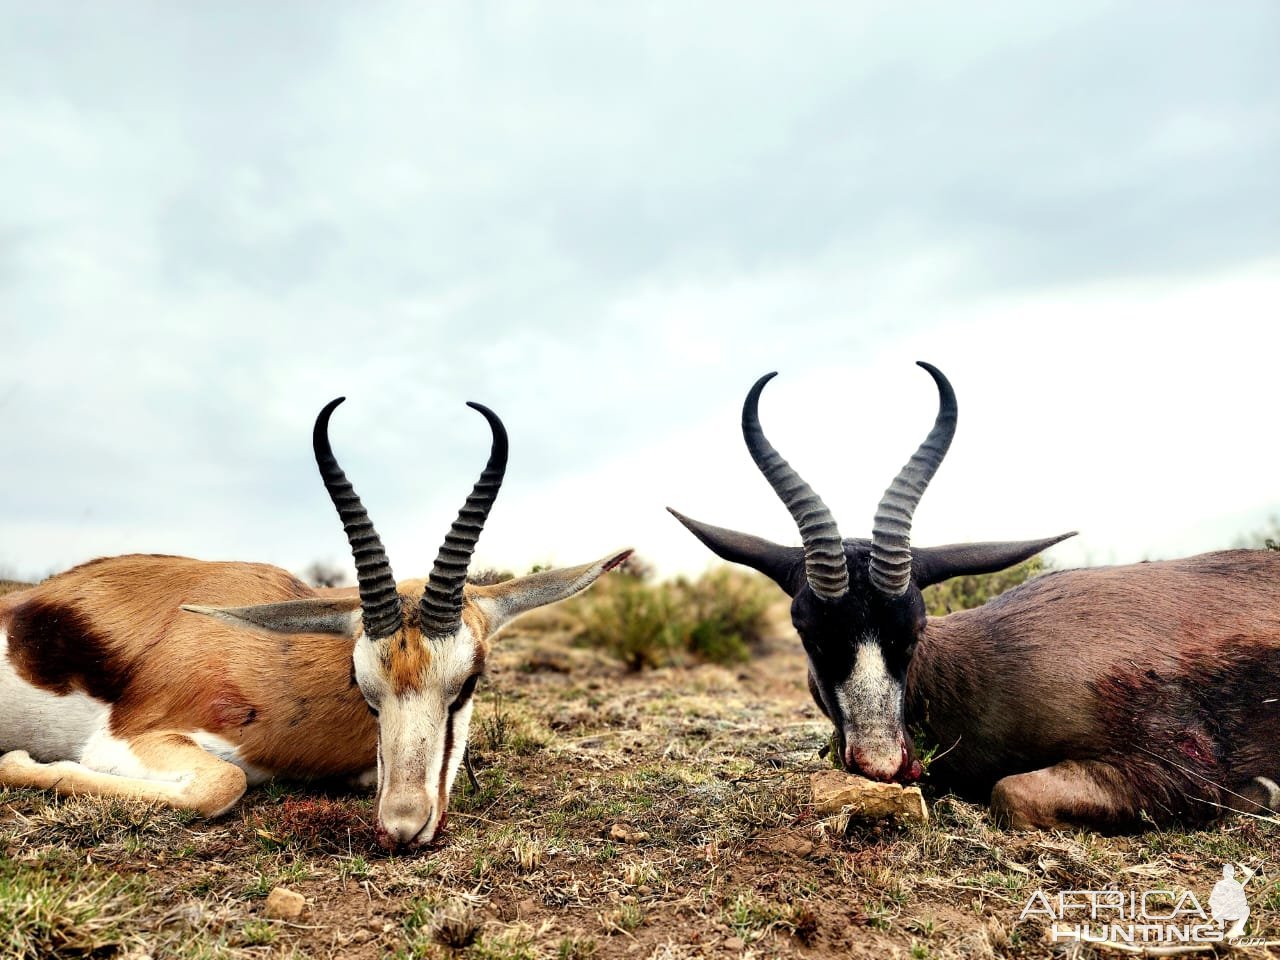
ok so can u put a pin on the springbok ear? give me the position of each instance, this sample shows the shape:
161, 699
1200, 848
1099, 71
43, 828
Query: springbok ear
336, 615
783, 565
503, 602
930, 565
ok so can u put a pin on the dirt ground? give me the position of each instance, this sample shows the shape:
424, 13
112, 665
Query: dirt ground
655, 815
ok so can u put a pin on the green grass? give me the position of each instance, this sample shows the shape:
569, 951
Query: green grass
718, 618
82, 913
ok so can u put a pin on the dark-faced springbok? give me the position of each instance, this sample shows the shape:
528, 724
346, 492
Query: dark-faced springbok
1101, 697
178, 680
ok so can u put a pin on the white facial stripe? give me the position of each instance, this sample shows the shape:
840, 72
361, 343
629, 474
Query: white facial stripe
869, 690
461, 730
412, 730
870, 702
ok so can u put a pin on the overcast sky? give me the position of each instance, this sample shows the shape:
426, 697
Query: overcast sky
605, 221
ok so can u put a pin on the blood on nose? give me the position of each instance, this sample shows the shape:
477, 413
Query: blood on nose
858, 761
901, 769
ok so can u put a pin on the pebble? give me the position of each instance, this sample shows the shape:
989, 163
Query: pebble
626, 834
285, 904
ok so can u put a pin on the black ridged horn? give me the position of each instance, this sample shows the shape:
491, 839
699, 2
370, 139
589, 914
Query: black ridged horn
891, 529
379, 602
441, 604
824, 562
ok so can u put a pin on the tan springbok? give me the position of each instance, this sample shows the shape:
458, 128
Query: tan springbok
184, 681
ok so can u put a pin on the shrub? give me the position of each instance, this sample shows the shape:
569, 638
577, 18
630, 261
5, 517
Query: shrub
717, 617
629, 618
963, 593
724, 614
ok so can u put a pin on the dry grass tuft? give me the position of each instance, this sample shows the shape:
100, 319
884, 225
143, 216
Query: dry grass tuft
455, 925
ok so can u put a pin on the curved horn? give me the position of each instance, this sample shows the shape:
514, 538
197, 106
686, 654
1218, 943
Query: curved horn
379, 602
441, 603
891, 529
824, 562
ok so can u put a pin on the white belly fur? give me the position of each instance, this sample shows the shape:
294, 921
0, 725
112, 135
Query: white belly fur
225, 750
75, 726
46, 725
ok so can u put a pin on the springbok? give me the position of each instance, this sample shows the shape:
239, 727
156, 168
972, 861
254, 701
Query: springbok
1100, 697
183, 681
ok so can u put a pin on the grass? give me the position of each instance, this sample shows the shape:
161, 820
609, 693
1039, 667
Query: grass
709, 764
45, 913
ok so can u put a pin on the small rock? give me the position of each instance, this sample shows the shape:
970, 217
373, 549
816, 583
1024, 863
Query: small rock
526, 907
627, 834
836, 792
735, 943
285, 904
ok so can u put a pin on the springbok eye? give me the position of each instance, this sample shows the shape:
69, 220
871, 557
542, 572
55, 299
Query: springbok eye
468, 688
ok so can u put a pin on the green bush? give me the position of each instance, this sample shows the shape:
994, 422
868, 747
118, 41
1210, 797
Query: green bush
963, 593
716, 618
724, 614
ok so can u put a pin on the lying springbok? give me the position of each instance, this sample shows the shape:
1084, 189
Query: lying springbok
182, 681
1100, 697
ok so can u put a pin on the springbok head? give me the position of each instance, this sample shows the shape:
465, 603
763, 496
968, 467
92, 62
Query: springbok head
857, 604
418, 649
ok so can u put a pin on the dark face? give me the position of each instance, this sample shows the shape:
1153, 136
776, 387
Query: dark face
860, 645
859, 648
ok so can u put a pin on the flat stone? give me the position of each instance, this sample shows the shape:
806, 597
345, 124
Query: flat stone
837, 792
627, 834
285, 904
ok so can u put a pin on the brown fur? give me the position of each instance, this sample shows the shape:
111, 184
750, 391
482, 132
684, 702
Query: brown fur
1158, 672
406, 655
286, 702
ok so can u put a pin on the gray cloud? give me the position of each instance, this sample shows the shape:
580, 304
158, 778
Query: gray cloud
220, 216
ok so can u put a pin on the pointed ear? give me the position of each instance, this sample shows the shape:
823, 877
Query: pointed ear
503, 602
930, 565
783, 565
338, 615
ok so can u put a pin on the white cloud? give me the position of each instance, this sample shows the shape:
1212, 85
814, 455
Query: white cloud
606, 222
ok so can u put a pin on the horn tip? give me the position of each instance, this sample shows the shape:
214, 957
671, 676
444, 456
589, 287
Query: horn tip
681, 517
617, 559
753, 397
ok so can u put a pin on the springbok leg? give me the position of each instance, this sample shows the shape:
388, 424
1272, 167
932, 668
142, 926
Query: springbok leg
168, 767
